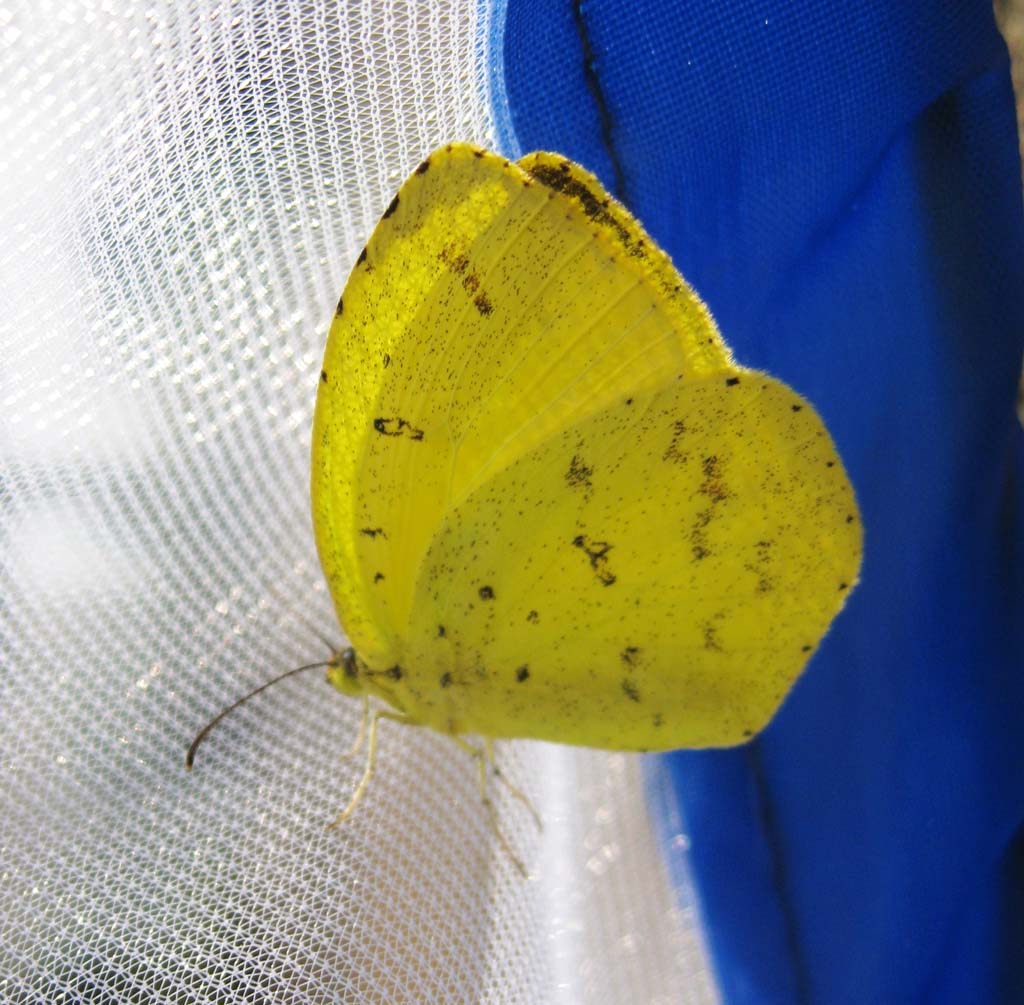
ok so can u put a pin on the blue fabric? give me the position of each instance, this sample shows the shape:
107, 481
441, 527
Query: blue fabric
841, 184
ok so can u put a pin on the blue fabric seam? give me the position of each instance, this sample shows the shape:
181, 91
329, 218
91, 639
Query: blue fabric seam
778, 873
596, 90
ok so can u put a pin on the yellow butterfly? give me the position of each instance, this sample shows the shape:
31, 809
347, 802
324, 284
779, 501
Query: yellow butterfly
547, 501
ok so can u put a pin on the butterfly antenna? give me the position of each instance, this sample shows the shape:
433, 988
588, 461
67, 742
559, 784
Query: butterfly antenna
204, 732
302, 619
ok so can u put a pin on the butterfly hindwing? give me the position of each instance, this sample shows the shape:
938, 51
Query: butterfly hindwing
653, 577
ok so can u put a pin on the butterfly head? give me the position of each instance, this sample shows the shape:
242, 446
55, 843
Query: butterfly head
344, 672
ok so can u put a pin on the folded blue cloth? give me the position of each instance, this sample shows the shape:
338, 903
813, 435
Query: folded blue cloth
841, 184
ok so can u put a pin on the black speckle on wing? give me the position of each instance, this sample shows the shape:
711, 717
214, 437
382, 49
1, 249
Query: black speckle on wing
456, 260
597, 553
674, 452
579, 474
711, 640
397, 427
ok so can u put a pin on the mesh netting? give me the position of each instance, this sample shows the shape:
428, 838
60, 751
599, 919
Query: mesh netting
185, 187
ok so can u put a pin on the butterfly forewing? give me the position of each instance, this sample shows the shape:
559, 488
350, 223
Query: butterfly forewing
488, 311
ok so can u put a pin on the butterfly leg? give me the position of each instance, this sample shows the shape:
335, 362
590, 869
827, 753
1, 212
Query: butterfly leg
486, 756
361, 735
513, 790
484, 760
371, 761
492, 817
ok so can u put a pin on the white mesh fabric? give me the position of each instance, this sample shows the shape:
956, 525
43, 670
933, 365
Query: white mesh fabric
183, 188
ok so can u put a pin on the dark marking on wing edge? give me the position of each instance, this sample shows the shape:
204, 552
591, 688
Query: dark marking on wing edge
560, 179
340, 308
323, 376
597, 553
629, 690
392, 206
731, 381
362, 257
397, 427
424, 167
